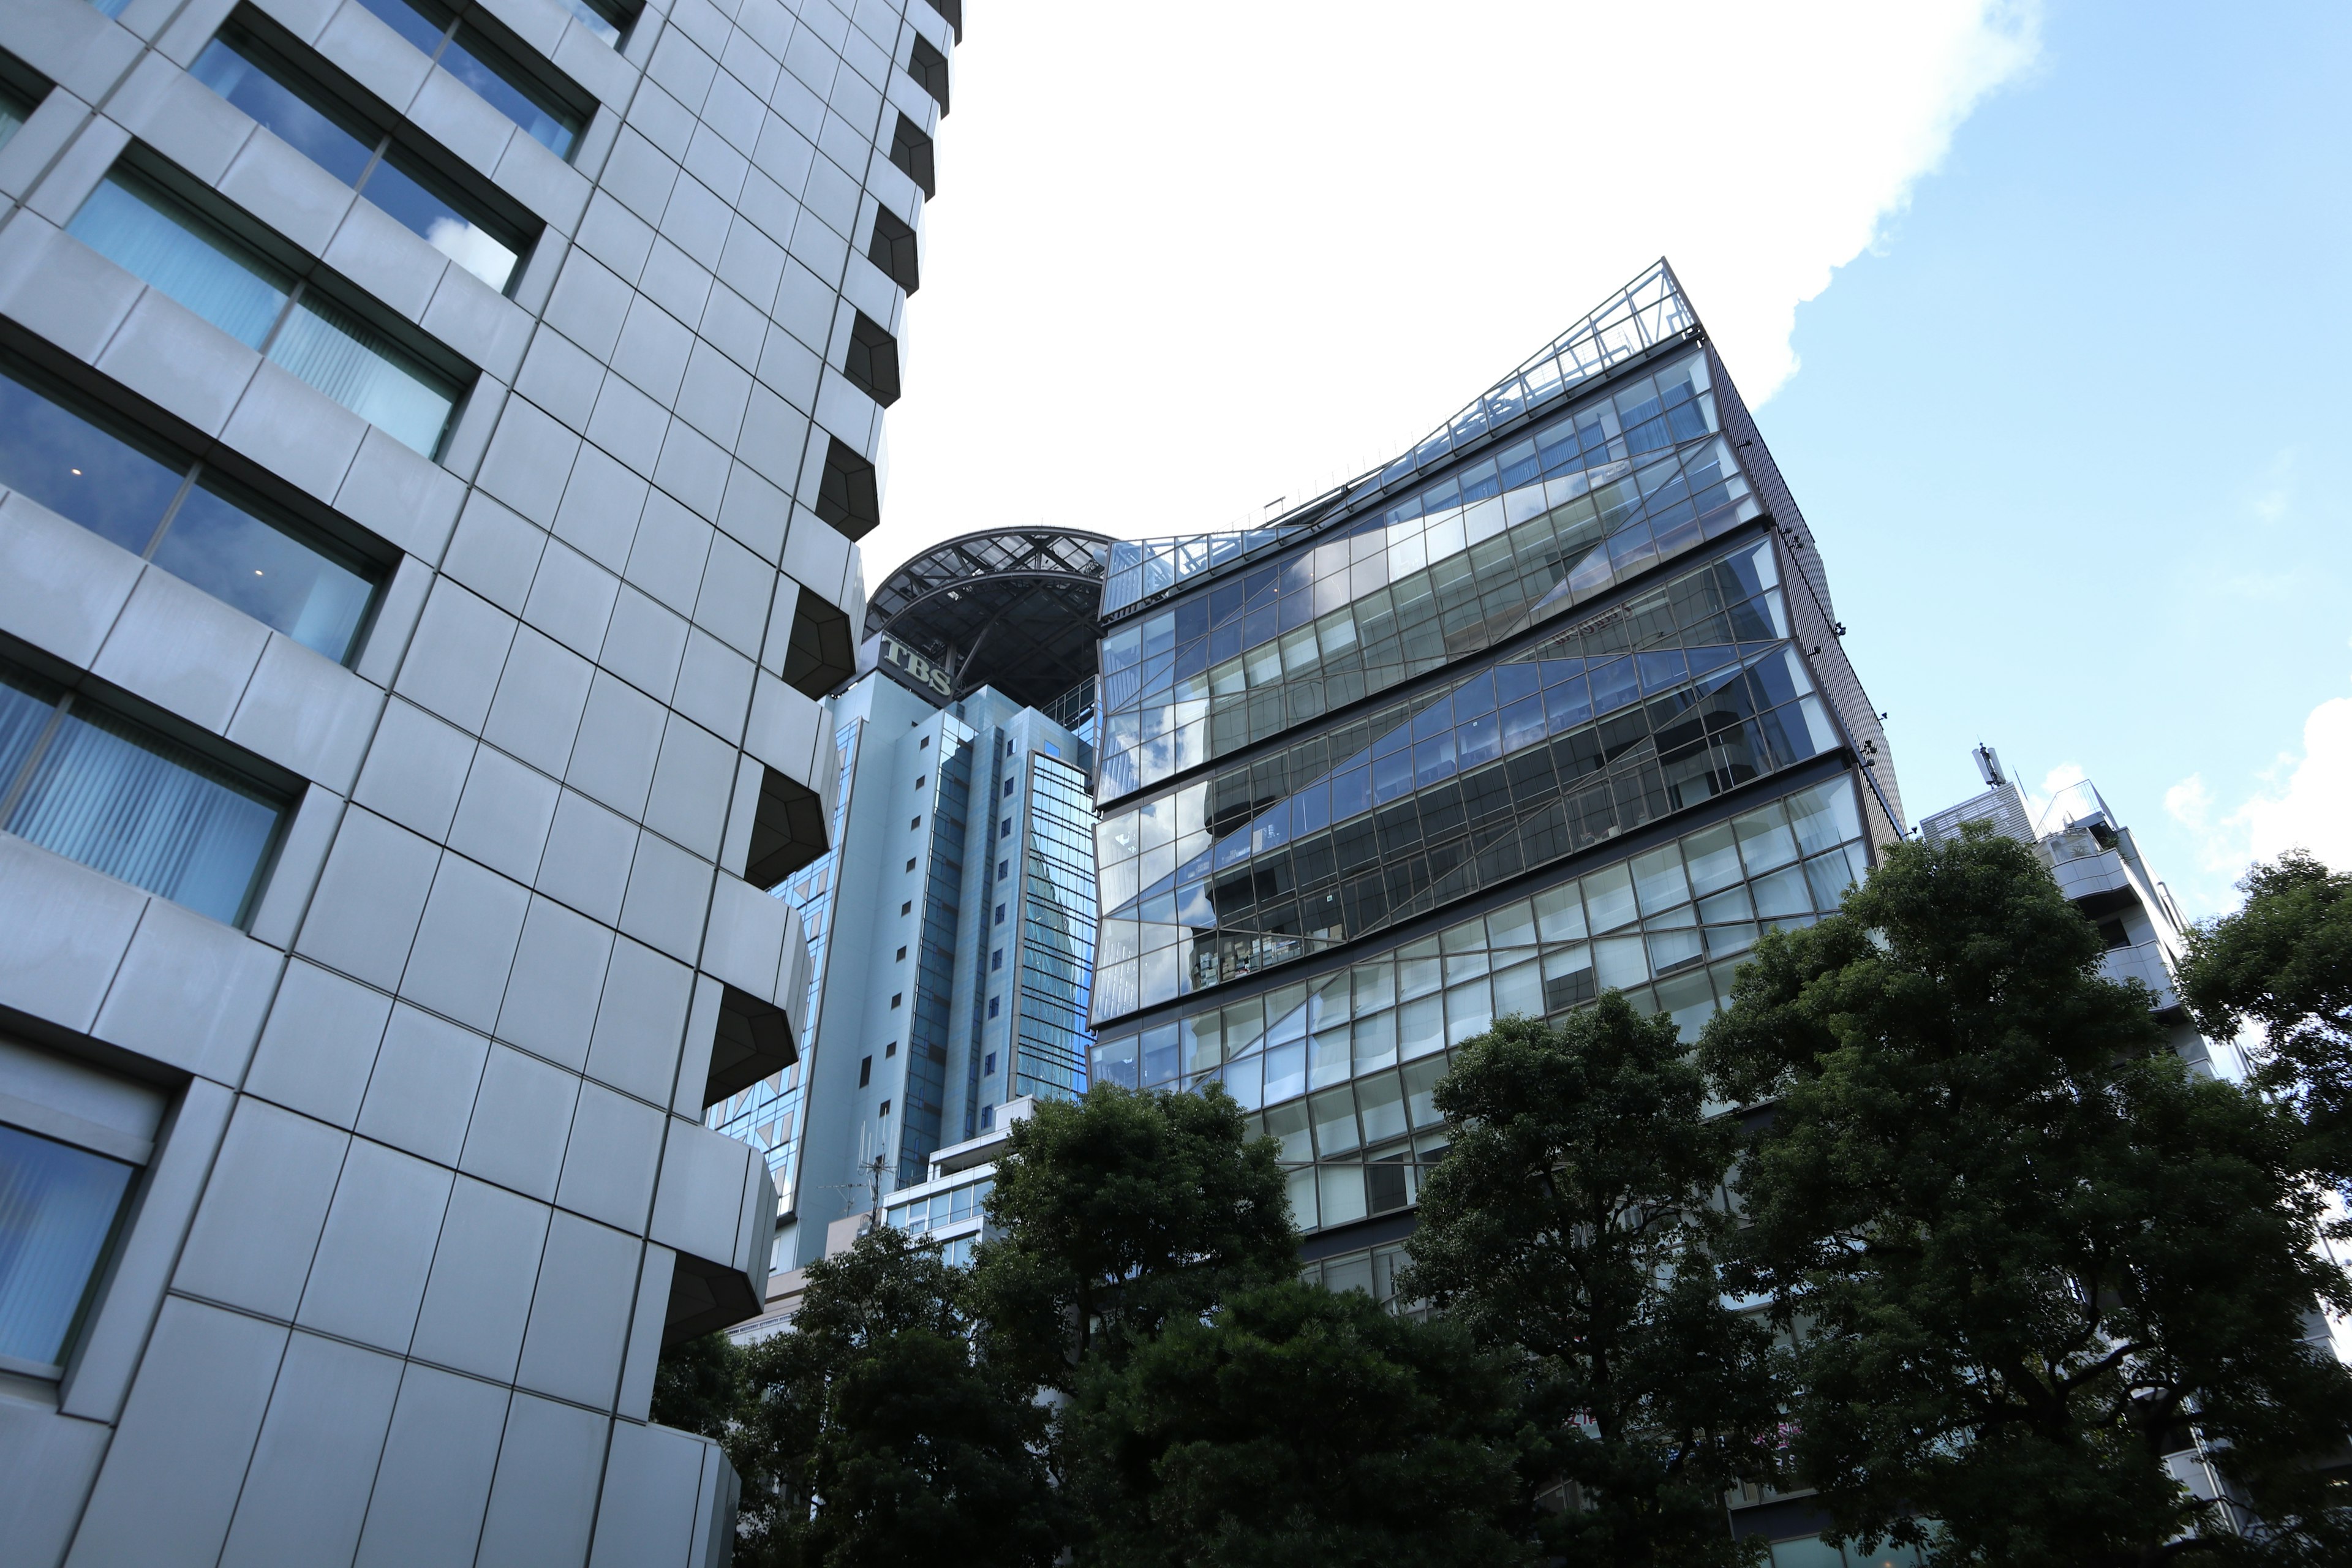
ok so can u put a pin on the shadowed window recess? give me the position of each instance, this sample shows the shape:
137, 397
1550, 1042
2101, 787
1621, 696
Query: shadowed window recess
910, 150
870, 360
346, 133
895, 249
929, 69
849, 492
135, 223
74, 459
87, 783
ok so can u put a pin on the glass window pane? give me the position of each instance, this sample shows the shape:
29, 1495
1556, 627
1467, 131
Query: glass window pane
442, 225
266, 571
552, 128
1342, 1193
409, 23
15, 110
134, 806
79, 470
58, 1207
147, 234
359, 368
595, 21
26, 704
1381, 1099
238, 75
1335, 1123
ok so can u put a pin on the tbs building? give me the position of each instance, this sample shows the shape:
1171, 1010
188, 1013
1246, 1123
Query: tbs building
1552, 703
433, 435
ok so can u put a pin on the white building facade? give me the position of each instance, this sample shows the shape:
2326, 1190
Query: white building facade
434, 435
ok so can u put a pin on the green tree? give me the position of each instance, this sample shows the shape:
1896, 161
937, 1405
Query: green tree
2022, 1248
1118, 1213
1297, 1428
2284, 962
698, 1385
1565, 1222
871, 1436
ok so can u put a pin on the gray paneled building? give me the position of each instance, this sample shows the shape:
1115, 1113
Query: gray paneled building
432, 439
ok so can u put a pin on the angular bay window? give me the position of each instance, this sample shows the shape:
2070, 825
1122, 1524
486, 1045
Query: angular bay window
491, 68
849, 495
929, 69
911, 152
194, 523
264, 76
139, 227
110, 793
870, 360
894, 249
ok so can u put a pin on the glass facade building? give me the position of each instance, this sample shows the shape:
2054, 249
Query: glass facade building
1552, 704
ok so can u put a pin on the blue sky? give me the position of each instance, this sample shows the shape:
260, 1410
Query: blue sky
2072, 432
2043, 305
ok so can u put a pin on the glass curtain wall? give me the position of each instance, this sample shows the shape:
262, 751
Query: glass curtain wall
1057, 934
928, 1023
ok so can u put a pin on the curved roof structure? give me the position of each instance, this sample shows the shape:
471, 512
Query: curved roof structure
1011, 608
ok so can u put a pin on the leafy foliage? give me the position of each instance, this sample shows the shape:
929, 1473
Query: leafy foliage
1299, 1427
698, 1385
1561, 1225
2023, 1248
1120, 1214
2284, 962
872, 1435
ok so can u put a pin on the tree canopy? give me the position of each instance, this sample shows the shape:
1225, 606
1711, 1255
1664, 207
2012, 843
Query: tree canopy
1565, 1225
2283, 962
2021, 1248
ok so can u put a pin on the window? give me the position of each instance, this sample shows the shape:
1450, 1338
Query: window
2113, 934
891, 1050
1005, 828
952, 10
112, 795
194, 524
910, 150
896, 997
894, 249
929, 69
994, 1004
902, 956
849, 494
606, 20
72, 1141
463, 51
911, 866
262, 79
16, 106
925, 745
1008, 786
885, 1107
134, 224
909, 907
920, 780
913, 823
865, 1072
999, 914
996, 959
1003, 869
988, 1068
871, 360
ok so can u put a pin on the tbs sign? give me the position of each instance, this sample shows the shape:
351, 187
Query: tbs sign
921, 671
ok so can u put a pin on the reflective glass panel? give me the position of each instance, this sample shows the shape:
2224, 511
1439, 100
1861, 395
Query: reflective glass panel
442, 225
78, 470
147, 234
57, 1208
276, 578
124, 801
355, 364
15, 110
554, 130
228, 71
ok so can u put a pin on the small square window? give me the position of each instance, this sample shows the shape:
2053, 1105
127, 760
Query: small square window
902, 956
865, 1072
895, 997
891, 1050
922, 779
987, 1118
1003, 869
913, 823
924, 744
999, 914
994, 1004
995, 961
885, 1107
909, 907
1008, 786
989, 1068
911, 866
1005, 828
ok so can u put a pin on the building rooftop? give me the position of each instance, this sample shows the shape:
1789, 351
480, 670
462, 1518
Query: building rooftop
1646, 313
1011, 608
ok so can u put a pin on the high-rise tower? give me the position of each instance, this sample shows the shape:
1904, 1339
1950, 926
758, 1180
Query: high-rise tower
432, 439
1552, 703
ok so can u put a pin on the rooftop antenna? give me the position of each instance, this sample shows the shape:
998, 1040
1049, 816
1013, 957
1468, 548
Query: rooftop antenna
1989, 764
874, 1188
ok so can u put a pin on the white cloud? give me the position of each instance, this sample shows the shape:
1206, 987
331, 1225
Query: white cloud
1184, 261
2303, 801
